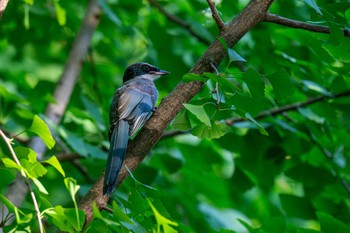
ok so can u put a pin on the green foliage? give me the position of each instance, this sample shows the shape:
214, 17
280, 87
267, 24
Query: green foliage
245, 166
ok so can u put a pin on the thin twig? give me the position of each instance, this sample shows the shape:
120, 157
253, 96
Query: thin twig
290, 107
214, 12
216, 90
180, 22
14, 156
272, 18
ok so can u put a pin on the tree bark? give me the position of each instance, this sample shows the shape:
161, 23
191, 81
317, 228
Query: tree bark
253, 13
3, 5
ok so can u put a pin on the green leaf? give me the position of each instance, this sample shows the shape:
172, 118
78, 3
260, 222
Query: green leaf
29, 2
119, 214
312, 4
11, 207
282, 84
339, 51
295, 206
72, 187
53, 161
199, 112
189, 77
234, 56
9, 163
40, 128
216, 130
311, 115
60, 13
329, 224
245, 104
111, 15
64, 218
224, 83
181, 121
274, 224
163, 222
26, 17
316, 87
255, 84
7, 176
262, 130
33, 170
40, 186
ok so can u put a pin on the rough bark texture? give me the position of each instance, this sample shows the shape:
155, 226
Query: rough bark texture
253, 13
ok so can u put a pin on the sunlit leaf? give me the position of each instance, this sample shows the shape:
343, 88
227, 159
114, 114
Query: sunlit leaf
163, 222
53, 161
9, 163
40, 186
73, 187
60, 13
42, 130
199, 112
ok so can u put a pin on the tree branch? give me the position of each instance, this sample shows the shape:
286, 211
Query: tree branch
65, 87
180, 22
63, 90
14, 156
253, 13
3, 5
216, 16
290, 107
272, 18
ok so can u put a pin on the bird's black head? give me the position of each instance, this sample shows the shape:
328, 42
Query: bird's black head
143, 70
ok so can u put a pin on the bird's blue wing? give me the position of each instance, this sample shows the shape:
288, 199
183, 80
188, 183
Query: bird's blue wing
135, 106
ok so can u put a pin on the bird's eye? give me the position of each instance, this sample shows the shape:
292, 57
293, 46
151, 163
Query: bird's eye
146, 68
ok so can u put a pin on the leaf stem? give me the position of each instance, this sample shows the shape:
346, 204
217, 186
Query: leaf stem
14, 156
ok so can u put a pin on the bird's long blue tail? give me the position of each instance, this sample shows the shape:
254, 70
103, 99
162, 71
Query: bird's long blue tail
118, 144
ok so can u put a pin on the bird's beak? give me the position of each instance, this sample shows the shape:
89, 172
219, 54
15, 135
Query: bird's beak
160, 72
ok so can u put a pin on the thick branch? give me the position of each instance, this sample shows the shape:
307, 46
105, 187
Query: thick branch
3, 5
253, 13
291, 107
65, 87
54, 112
272, 18
179, 21
216, 16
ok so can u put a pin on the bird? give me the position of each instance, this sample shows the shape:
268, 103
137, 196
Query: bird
132, 105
